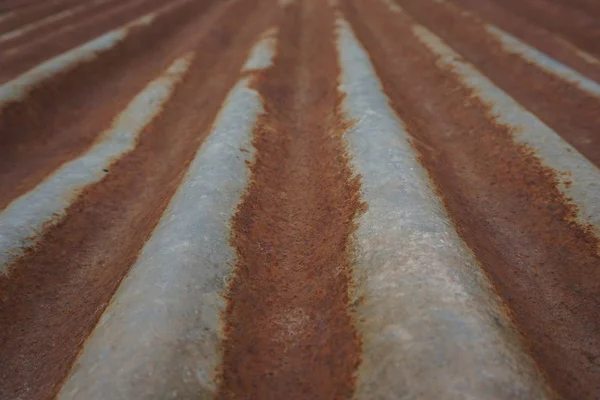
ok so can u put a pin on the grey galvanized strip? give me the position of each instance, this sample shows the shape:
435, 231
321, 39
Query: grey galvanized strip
513, 45
48, 20
23, 220
261, 56
19, 87
159, 338
432, 326
583, 183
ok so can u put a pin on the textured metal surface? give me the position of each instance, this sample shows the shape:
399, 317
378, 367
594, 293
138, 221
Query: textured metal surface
584, 178
418, 275
154, 317
46, 205
159, 179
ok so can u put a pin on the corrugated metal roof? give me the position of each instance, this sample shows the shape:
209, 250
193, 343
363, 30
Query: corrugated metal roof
371, 199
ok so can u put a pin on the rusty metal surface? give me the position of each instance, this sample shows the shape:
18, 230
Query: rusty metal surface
261, 199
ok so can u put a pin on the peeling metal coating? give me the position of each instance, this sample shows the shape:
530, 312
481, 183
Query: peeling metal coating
159, 338
23, 221
431, 322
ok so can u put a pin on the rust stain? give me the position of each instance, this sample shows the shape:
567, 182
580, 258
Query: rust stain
552, 45
578, 27
28, 15
567, 109
47, 30
39, 134
289, 322
288, 325
504, 203
17, 60
589, 6
58, 290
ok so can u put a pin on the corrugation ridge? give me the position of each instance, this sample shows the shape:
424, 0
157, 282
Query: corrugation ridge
46, 127
507, 204
18, 60
539, 37
423, 298
34, 13
52, 23
574, 112
580, 28
54, 301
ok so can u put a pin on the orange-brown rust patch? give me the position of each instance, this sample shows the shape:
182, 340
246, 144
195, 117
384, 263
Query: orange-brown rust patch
62, 117
569, 110
55, 294
589, 6
578, 27
536, 36
503, 201
32, 14
47, 29
18, 59
289, 332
